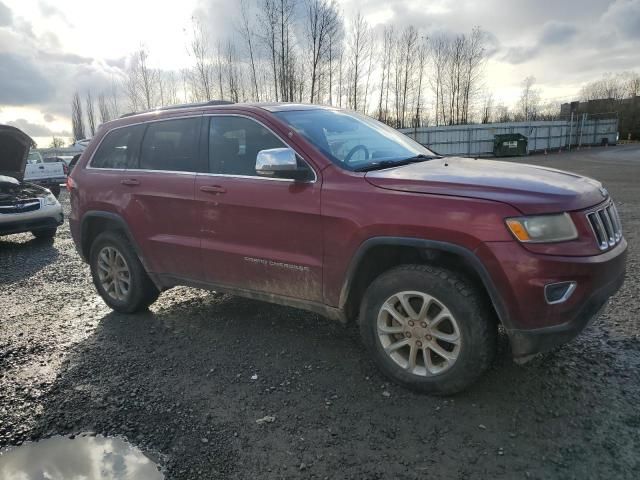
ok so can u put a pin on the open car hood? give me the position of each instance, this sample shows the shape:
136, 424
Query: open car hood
14, 150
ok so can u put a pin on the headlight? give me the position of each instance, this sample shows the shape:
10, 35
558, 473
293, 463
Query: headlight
50, 199
543, 228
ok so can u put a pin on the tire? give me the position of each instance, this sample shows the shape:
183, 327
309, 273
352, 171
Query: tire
140, 292
45, 233
466, 321
55, 189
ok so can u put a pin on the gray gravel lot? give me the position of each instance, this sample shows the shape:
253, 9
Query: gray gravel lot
177, 381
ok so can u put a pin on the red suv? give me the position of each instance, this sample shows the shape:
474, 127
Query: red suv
333, 212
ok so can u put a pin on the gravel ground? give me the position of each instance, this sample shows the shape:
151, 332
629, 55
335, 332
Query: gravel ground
187, 381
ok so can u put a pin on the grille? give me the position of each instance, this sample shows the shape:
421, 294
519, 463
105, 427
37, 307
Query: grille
19, 207
606, 226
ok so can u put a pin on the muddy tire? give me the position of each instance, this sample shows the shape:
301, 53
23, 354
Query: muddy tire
428, 328
118, 274
45, 233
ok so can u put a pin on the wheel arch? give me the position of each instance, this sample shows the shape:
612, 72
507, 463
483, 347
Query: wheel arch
379, 254
95, 222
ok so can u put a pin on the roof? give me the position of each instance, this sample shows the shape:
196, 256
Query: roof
268, 106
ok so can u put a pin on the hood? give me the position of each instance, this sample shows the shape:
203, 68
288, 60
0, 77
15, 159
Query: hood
14, 150
528, 188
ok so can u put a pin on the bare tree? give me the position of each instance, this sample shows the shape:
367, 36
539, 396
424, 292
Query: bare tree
77, 118
268, 18
103, 109
246, 30
359, 51
56, 142
405, 61
141, 82
323, 22
385, 60
529, 102
439, 47
632, 84
231, 72
474, 56
503, 114
201, 73
113, 103
91, 116
422, 61
148, 79
487, 108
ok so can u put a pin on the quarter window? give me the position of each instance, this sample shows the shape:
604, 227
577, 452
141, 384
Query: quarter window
171, 145
119, 149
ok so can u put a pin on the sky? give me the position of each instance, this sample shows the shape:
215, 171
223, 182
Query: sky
51, 48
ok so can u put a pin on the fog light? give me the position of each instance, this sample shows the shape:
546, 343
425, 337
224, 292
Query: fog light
559, 292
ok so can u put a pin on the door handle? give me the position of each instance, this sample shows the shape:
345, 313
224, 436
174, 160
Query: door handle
130, 181
215, 189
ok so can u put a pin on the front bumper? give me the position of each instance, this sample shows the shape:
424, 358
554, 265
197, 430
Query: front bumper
48, 216
532, 324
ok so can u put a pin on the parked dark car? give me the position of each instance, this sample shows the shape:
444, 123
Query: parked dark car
24, 206
333, 212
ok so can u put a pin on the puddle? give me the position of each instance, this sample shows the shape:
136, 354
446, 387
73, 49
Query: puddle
83, 458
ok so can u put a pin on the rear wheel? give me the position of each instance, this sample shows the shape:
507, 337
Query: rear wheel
428, 328
119, 276
55, 189
45, 233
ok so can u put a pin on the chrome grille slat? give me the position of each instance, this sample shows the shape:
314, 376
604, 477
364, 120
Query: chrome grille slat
604, 215
606, 226
613, 213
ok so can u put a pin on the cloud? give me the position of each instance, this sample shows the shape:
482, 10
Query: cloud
64, 57
37, 130
624, 17
48, 10
556, 33
21, 81
552, 34
518, 55
6, 16
49, 118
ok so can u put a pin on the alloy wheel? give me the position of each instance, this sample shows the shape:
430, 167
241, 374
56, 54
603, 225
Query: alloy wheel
419, 333
114, 273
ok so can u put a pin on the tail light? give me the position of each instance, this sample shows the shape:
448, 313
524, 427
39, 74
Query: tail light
65, 169
71, 184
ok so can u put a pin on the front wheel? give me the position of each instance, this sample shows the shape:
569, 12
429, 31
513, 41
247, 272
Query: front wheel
428, 328
119, 275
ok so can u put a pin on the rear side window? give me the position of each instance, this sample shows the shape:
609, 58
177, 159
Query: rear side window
119, 149
171, 145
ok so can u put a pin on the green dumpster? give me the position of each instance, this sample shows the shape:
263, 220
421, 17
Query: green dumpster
510, 145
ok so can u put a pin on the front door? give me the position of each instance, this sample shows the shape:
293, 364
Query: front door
261, 234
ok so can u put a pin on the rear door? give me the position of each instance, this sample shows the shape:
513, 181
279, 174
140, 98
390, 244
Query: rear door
162, 212
262, 234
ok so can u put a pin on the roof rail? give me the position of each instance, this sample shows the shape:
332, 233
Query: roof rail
182, 105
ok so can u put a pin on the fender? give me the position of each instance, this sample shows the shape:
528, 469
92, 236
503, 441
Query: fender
468, 255
122, 224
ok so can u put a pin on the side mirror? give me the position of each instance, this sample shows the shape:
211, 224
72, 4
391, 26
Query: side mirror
276, 160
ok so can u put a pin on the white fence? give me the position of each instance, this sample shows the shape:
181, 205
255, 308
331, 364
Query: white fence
472, 140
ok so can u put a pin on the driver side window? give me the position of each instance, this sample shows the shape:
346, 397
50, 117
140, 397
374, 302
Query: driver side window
234, 143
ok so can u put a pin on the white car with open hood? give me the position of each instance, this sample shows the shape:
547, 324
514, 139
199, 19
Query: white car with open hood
24, 206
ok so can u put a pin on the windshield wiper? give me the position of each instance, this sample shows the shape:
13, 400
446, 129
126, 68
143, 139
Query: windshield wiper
396, 163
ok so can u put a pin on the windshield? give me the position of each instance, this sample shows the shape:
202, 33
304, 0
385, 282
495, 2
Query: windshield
34, 157
353, 141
